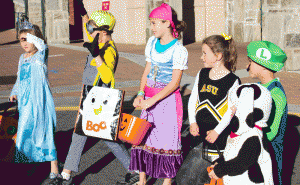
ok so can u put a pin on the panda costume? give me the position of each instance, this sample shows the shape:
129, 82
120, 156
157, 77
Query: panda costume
246, 159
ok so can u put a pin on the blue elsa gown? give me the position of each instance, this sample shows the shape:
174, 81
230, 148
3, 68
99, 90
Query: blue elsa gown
37, 117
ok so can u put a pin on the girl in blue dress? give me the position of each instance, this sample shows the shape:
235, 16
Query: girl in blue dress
37, 117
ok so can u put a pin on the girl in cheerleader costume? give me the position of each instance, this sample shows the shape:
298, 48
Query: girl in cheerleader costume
208, 105
160, 154
37, 117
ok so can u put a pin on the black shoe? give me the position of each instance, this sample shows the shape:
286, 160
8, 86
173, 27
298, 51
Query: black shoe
130, 179
54, 181
66, 182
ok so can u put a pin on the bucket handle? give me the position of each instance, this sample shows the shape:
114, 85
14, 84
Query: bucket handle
148, 112
204, 154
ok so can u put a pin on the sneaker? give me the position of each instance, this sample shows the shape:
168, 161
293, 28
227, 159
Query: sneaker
54, 179
130, 179
66, 182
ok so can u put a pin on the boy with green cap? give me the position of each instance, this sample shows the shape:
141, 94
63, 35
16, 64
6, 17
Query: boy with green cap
266, 59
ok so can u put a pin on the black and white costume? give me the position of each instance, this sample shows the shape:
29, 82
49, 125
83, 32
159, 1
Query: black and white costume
246, 158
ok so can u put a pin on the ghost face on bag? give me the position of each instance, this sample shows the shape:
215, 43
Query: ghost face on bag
99, 107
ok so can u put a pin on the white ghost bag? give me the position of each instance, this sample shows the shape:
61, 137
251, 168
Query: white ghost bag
101, 112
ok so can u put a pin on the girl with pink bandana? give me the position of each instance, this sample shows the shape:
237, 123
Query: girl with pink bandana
159, 155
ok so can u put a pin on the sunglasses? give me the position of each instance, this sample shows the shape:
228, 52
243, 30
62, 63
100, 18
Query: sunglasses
91, 29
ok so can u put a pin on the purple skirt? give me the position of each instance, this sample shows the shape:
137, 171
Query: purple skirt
160, 155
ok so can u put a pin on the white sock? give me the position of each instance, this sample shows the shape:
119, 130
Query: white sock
65, 175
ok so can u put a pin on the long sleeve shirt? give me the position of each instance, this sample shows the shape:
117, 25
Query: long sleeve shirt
279, 100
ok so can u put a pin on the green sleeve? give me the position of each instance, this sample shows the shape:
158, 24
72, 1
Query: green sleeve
280, 102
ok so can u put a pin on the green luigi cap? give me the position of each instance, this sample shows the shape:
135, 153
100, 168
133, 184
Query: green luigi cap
267, 54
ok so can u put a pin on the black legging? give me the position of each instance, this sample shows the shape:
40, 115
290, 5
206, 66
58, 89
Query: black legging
193, 171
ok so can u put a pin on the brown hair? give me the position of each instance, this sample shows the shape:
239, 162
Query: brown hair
261, 65
218, 44
105, 27
35, 31
179, 25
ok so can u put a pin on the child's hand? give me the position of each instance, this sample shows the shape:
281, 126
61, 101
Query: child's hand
194, 129
233, 109
212, 175
36, 41
213, 166
212, 136
93, 47
145, 104
137, 101
12, 98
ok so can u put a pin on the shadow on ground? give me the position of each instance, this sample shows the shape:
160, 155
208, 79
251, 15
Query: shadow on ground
37, 173
9, 43
6, 80
291, 147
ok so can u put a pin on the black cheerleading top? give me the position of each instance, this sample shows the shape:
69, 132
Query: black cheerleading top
208, 104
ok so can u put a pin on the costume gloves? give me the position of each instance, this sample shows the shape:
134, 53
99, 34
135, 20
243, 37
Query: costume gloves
94, 48
38, 42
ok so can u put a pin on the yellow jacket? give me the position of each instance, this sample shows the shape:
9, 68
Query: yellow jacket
106, 70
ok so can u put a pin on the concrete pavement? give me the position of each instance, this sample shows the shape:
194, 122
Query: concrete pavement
66, 63
65, 72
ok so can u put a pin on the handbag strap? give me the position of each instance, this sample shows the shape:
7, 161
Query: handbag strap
206, 152
219, 152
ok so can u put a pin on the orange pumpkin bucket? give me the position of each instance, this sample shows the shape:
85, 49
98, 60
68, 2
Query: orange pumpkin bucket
133, 129
8, 132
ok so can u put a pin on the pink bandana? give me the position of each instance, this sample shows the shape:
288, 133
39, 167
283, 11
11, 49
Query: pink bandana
164, 12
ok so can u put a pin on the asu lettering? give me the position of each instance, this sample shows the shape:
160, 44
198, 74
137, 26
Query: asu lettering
209, 88
95, 127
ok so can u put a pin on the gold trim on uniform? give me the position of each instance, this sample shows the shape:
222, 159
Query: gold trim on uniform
211, 108
218, 111
223, 107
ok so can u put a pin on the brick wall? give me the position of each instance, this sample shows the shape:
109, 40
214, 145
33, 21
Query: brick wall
281, 25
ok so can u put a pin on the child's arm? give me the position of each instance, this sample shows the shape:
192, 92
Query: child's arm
171, 87
138, 99
194, 129
106, 67
39, 43
15, 89
246, 157
280, 103
213, 135
180, 57
42, 54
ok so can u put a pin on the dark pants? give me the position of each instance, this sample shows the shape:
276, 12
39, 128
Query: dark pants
193, 171
277, 145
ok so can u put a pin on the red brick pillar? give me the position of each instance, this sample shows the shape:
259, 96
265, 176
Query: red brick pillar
71, 13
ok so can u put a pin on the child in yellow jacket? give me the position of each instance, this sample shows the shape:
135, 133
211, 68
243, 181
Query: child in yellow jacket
99, 71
